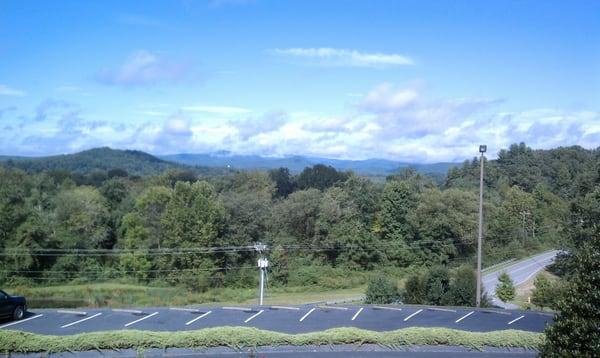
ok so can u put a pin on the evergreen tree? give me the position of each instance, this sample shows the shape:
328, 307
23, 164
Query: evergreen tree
505, 290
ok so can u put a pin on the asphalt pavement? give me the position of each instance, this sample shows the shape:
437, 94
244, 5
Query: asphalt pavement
519, 272
287, 319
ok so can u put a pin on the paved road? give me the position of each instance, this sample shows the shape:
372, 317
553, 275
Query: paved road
292, 319
519, 272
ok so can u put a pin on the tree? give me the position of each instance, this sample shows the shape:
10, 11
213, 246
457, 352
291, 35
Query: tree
445, 222
415, 290
381, 290
575, 330
543, 295
284, 183
320, 177
505, 290
193, 218
83, 219
437, 286
463, 287
397, 201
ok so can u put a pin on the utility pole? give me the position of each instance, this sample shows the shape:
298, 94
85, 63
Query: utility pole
482, 149
524, 213
263, 263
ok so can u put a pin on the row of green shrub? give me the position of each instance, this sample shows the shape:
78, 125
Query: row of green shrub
240, 337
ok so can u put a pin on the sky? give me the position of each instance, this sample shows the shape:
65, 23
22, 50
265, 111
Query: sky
407, 80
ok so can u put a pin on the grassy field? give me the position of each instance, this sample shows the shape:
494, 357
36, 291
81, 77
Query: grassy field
127, 295
240, 337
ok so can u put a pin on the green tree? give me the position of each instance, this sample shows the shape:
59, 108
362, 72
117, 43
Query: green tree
83, 218
437, 285
397, 201
381, 290
445, 223
284, 182
543, 292
320, 177
463, 287
575, 330
505, 290
415, 290
193, 219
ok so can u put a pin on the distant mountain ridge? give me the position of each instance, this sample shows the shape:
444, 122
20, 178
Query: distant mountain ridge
373, 167
135, 162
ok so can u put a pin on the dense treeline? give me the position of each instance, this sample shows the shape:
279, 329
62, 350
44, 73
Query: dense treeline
178, 228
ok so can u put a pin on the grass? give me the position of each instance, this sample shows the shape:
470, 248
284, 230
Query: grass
239, 337
127, 295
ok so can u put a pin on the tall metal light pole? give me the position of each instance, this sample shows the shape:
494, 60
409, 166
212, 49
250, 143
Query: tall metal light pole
482, 149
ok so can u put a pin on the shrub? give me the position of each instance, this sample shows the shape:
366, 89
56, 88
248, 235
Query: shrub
381, 290
463, 288
414, 290
437, 286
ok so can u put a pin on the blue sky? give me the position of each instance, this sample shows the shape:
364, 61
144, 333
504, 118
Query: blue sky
415, 80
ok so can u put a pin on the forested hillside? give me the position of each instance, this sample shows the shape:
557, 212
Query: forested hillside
322, 224
295, 164
133, 162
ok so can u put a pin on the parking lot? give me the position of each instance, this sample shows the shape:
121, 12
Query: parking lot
288, 319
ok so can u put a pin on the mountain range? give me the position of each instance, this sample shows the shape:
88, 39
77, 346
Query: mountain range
371, 167
142, 163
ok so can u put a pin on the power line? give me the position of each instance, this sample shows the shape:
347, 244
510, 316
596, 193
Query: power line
231, 249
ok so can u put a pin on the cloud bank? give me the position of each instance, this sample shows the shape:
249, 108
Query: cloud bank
397, 123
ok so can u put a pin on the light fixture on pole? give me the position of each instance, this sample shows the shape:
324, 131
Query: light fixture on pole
482, 150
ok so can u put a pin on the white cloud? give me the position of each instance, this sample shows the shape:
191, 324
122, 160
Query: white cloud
344, 57
394, 125
145, 68
223, 110
9, 91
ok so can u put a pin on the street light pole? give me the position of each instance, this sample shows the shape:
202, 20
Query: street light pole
482, 149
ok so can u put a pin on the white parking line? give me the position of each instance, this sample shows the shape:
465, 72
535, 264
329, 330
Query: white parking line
141, 319
127, 311
253, 316
387, 308
412, 315
306, 315
515, 320
285, 308
357, 313
21, 321
465, 316
197, 318
81, 320
81, 313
